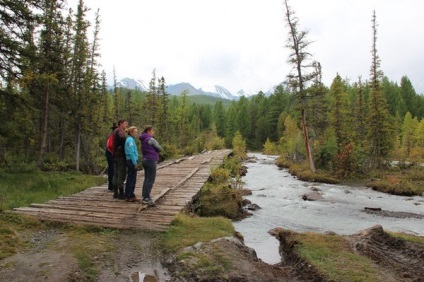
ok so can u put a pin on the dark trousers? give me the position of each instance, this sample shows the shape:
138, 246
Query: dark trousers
131, 180
119, 174
149, 167
109, 169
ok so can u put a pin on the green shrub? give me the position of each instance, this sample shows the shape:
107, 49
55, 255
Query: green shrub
219, 175
169, 151
282, 162
270, 148
219, 200
217, 143
239, 146
233, 165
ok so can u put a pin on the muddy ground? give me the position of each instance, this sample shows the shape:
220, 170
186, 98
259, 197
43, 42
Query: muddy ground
132, 256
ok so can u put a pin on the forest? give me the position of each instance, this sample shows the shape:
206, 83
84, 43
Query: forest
56, 108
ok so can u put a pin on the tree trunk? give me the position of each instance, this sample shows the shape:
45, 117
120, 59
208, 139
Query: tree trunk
44, 129
306, 139
78, 149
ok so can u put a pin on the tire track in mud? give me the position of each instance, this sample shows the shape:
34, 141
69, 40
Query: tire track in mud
404, 258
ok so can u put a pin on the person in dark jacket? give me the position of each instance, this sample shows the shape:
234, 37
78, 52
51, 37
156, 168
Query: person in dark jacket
119, 160
109, 158
150, 149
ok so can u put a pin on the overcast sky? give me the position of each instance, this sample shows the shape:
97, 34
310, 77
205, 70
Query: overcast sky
240, 44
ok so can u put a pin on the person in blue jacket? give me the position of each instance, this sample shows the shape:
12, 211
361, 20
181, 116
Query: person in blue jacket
131, 155
150, 149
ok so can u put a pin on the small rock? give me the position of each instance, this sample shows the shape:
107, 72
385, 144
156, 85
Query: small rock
330, 233
274, 231
245, 192
313, 196
246, 202
253, 207
372, 209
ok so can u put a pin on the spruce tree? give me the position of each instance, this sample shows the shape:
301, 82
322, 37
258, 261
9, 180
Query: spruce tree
379, 133
339, 114
150, 108
317, 108
409, 95
183, 128
230, 126
360, 116
219, 118
18, 20
242, 120
49, 68
163, 112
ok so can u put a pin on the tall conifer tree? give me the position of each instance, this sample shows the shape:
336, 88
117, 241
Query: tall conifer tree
163, 112
301, 76
378, 123
49, 67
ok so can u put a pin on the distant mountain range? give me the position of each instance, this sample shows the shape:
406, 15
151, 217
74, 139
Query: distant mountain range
177, 89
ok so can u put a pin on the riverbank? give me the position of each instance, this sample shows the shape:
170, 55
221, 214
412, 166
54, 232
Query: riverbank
397, 179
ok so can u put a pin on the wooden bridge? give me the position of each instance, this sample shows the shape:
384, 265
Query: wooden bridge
177, 182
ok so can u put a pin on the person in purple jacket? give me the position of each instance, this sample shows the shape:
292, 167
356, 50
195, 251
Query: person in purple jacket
150, 149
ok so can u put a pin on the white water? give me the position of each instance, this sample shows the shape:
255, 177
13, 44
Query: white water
280, 197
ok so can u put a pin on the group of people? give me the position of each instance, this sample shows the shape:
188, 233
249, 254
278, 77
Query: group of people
122, 156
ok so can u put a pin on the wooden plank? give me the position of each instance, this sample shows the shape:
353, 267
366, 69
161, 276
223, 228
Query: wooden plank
152, 219
178, 182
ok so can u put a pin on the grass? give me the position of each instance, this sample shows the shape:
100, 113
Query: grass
186, 231
407, 237
304, 173
12, 231
89, 245
407, 182
212, 266
89, 255
333, 257
23, 189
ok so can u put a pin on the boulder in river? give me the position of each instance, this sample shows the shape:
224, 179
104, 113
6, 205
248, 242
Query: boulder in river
313, 196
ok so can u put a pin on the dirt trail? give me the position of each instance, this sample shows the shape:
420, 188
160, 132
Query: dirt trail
50, 260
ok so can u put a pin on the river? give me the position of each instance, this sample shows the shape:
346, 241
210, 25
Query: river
341, 210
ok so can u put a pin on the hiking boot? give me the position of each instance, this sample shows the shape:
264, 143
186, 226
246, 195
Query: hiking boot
134, 199
121, 197
147, 201
116, 196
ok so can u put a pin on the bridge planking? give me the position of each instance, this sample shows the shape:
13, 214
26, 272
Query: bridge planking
177, 183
